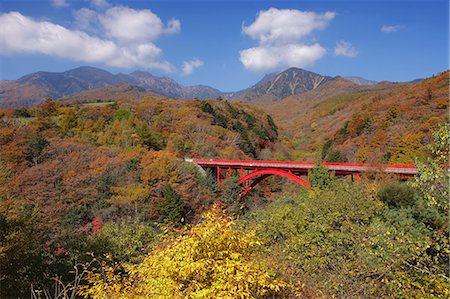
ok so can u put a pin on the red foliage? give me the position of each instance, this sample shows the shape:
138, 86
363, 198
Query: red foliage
97, 223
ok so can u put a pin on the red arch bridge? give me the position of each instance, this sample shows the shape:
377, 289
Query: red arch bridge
251, 172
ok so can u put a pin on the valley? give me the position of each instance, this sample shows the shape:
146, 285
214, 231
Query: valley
96, 179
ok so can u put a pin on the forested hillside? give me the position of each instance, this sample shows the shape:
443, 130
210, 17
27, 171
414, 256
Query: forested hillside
97, 200
386, 123
69, 170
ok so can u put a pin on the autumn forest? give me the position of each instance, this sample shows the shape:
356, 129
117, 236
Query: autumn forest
97, 200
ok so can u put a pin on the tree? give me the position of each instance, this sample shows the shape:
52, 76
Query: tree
432, 178
34, 149
212, 259
23, 259
397, 195
171, 209
320, 177
432, 182
126, 240
230, 196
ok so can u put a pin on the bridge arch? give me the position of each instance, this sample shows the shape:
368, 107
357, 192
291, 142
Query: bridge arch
259, 175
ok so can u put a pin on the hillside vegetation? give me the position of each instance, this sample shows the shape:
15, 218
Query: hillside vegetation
97, 200
388, 123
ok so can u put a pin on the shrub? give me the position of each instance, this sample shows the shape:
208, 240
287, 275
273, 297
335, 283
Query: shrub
320, 177
212, 259
397, 195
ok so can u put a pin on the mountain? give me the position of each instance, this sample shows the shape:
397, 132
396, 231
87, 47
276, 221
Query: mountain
360, 81
116, 92
170, 88
72, 84
381, 123
274, 87
33, 88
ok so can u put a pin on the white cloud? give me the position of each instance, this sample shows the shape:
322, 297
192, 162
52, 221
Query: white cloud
285, 25
189, 66
59, 3
391, 28
100, 3
22, 34
346, 49
86, 19
280, 34
173, 26
260, 59
130, 26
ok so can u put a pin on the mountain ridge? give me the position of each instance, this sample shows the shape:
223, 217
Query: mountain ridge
33, 88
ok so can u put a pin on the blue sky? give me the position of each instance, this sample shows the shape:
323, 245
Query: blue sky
228, 45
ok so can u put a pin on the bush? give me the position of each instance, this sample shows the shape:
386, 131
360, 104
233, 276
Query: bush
397, 195
320, 177
123, 241
212, 259
341, 242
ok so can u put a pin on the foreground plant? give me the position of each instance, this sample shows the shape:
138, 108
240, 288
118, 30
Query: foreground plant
212, 259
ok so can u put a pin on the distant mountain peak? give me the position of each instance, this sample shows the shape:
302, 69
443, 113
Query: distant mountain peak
276, 86
86, 68
359, 80
140, 73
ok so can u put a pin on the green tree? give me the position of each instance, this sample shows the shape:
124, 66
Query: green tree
345, 245
23, 258
171, 209
230, 196
104, 186
320, 177
335, 156
34, 149
432, 183
326, 148
127, 240
397, 195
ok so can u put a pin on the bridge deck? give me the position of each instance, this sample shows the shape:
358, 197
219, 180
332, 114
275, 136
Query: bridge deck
304, 167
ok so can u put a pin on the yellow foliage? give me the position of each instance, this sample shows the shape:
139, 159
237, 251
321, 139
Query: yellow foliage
408, 148
361, 154
210, 260
129, 194
160, 167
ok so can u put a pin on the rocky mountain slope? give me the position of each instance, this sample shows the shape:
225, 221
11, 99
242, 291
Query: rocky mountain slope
274, 87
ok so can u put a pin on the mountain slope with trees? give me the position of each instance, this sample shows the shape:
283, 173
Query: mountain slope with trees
383, 123
96, 199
